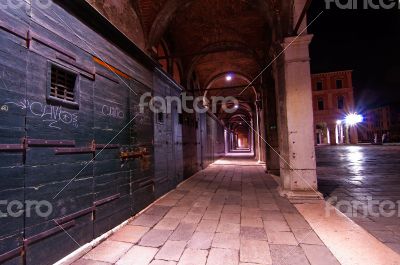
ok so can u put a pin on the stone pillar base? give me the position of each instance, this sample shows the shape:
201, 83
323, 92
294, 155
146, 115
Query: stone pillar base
275, 172
300, 195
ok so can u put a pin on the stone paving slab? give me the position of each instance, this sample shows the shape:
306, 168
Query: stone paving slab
109, 251
137, 255
155, 238
224, 215
129, 233
350, 243
366, 172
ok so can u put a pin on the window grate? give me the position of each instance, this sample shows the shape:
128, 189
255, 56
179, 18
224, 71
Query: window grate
62, 84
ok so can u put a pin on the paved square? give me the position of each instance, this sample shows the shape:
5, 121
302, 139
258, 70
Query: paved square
361, 175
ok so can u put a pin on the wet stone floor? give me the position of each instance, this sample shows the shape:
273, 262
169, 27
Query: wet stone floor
364, 183
229, 213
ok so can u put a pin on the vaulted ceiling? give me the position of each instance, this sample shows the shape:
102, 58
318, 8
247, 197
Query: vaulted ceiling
209, 38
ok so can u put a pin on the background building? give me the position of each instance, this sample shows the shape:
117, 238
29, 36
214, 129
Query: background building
379, 121
333, 99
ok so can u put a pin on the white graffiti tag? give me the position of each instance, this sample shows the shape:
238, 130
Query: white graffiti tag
113, 112
53, 115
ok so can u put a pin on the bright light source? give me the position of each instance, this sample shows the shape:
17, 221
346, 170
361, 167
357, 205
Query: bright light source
338, 122
228, 77
353, 119
236, 106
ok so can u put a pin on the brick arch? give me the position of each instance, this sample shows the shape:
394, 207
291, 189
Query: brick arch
163, 18
172, 7
122, 14
239, 75
225, 45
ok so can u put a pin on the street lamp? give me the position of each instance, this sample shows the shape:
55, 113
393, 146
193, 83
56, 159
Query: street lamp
353, 119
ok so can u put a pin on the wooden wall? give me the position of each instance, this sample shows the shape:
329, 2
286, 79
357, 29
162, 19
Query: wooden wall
167, 139
55, 152
97, 162
211, 138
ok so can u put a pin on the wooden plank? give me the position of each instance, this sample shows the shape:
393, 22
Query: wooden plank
76, 150
51, 44
106, 75
75, 215
50, 143
10, 254
86, 70
15, 31
48, 233
12, 147
106, 200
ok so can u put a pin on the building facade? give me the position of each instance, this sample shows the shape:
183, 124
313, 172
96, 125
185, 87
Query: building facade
333, 99
381, 124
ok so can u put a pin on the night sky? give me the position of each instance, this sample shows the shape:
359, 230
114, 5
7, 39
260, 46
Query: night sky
366, 41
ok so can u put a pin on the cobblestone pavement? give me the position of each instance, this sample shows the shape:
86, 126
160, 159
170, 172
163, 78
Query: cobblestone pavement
229, 213
365, 181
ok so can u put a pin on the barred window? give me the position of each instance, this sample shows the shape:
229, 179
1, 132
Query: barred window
62, 84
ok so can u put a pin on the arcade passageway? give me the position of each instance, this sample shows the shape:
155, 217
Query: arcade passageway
93, 131
229, 213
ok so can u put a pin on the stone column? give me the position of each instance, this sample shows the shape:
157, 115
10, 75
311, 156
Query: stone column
226, 147
271, 126
297, 166
332, 133
258, 133
353, 135
263, 135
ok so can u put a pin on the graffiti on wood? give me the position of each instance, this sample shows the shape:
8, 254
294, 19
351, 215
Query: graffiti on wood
113, 112
53, 116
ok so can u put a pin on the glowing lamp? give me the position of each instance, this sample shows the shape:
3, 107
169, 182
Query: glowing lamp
353, 119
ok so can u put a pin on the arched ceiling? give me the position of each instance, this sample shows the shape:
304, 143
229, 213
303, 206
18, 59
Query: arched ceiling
210, 38
216, 36
123, 14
